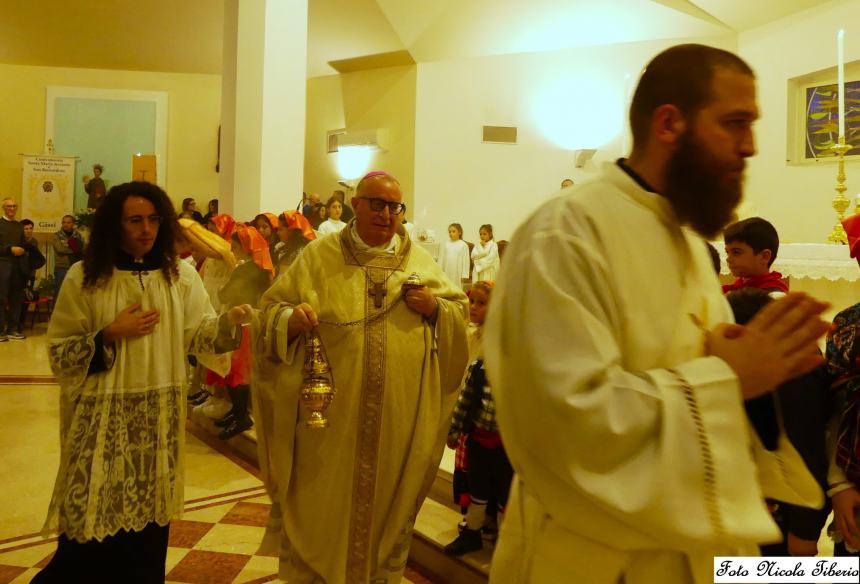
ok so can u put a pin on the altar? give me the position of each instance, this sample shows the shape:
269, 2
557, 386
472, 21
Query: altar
825, 271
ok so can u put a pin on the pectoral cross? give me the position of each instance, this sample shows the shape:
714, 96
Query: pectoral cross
378, 291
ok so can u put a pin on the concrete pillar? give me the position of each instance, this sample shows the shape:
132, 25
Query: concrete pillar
263, 92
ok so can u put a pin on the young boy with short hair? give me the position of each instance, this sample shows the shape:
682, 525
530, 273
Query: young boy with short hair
751, 247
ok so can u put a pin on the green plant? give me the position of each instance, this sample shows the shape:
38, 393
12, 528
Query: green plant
46, 286
85, 218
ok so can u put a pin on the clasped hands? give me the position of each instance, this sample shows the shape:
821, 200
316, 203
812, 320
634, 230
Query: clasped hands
135, 322
779, 343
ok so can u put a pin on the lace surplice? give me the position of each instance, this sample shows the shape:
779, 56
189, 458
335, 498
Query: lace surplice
122, 430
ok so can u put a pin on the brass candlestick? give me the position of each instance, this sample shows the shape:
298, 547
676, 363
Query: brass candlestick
840, 202
317, 383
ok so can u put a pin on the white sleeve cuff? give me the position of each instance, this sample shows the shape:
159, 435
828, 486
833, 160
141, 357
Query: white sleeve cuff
282, 345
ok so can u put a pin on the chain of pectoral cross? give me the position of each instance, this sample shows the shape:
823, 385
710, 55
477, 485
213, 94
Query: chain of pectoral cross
377, 291
367, 319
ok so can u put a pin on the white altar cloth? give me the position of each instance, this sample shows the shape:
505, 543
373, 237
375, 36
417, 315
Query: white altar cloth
815, 261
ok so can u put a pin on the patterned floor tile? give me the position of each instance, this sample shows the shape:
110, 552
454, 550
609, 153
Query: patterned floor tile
263, 580
9, 573
199, 567
259, 569
44, 561
212, 514
244, 513
417, 575
235, 539
29, 556
26, 576
186, 534
174, 556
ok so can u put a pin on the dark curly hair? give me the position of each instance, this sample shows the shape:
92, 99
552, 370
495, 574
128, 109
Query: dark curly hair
101, 252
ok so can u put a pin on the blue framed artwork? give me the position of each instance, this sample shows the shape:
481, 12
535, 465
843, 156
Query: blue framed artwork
821, 122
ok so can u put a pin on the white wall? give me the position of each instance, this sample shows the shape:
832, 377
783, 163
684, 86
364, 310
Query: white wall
796, 198
460, 179
361, 100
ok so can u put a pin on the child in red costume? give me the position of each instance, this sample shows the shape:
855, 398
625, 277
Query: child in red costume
751, 247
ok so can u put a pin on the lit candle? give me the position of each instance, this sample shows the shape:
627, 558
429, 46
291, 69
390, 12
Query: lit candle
840, 82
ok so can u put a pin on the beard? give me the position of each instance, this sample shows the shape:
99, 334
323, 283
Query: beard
696, 186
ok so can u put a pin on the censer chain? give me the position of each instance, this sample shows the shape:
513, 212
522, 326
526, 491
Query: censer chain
366, 319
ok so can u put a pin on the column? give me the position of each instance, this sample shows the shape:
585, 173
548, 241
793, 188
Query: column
263, 93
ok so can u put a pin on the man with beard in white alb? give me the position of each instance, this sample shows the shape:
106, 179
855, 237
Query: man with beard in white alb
618, 376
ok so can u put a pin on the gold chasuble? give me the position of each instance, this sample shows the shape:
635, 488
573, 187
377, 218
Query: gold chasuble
345, 497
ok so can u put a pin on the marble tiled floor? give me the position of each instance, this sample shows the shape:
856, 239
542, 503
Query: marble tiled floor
214, 543
226, 507
28, 357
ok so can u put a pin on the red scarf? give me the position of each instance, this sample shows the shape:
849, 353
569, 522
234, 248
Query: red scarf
254, 245
771, 281
852, 229
225, 225
273, 220
295, 220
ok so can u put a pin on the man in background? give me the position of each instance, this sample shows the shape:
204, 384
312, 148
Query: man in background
11, 279
68, 244
29, 263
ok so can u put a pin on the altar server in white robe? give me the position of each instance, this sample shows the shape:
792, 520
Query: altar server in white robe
126, 317
619, 384
485, 255
454, 258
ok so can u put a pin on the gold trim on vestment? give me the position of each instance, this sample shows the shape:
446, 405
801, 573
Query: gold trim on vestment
361, 555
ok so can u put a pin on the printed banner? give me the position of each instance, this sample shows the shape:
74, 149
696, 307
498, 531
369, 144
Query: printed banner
787, 569
47, 190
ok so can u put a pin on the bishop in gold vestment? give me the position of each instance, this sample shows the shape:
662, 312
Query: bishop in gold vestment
345, 497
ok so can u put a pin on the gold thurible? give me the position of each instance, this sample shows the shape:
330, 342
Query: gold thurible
317, 381
840, 202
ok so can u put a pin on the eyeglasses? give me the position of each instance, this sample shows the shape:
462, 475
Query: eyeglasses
137, 220
10, 206
379, 204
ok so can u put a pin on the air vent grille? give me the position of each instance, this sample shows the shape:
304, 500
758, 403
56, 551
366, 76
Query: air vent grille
500, 134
